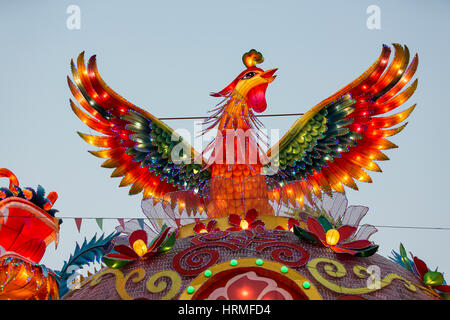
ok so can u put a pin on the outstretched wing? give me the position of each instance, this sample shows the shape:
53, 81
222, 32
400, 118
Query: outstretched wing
138, 145
333, 143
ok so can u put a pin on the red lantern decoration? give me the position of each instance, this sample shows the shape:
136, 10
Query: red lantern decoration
27, 227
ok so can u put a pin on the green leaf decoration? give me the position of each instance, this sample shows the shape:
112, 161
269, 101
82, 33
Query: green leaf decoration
164, 227
326, 225
115, 263
404, 258
433, 278
364, 253
168, 244
302, 234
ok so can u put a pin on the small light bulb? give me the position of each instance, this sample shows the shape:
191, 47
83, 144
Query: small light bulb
244, 224
332, 237
140, 247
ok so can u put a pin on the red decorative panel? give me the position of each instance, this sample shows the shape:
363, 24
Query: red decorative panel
249, 283
204, 252
287, 250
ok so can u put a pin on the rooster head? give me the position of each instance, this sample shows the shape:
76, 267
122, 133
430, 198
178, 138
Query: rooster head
250, 84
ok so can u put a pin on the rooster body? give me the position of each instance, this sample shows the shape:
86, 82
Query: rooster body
328, 148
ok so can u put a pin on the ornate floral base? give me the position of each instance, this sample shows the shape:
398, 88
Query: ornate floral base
250, 264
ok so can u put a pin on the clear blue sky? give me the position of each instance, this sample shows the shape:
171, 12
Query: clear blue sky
167, 56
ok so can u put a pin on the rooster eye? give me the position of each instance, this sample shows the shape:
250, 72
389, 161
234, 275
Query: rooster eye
249, 75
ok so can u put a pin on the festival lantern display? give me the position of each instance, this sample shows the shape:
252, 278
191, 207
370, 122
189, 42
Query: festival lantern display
242, 223
27, 226
243, 231
255, 263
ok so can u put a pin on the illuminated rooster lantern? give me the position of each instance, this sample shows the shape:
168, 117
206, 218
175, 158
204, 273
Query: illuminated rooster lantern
27, 226
329, 147
232, 241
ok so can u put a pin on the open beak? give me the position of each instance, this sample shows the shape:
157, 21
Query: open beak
268, 75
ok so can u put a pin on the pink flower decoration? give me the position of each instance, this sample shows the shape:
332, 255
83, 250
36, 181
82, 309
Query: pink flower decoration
124, 254
317, 232
201, 228
291, 223
250, 221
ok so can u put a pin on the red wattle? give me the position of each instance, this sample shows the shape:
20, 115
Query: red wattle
256, 98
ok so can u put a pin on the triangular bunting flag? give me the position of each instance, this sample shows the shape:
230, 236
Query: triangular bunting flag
141, 223
99, 223
78, 223
121, 222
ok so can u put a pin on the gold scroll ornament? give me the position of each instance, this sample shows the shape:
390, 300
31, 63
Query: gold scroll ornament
336, 269
138, 275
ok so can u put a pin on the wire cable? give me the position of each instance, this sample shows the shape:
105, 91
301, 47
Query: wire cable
258, 116
202, 218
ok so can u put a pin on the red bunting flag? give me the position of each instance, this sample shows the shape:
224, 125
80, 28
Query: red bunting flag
121, 222
78, 223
